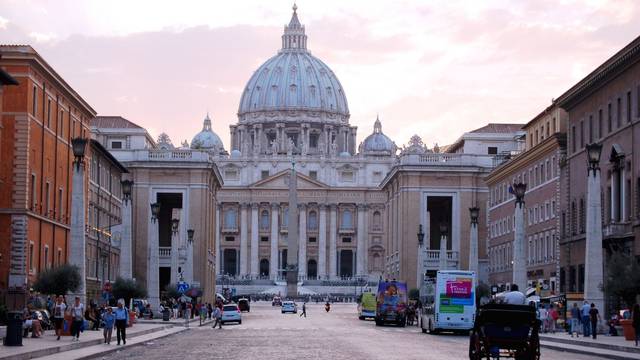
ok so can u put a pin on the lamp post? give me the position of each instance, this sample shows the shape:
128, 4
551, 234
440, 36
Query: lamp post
420, 267
474, 213
189, 249
593, 262
519, 253
77, 252
190, 234
153, 261
443, 246
126, 256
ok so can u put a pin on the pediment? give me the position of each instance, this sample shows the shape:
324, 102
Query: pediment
281, 181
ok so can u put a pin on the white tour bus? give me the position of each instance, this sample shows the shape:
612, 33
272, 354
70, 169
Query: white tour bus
454, 303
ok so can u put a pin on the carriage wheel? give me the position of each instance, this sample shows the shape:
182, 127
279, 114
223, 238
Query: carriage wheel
475, 348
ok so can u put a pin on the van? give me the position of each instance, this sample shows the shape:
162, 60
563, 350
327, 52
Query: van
391, 303
367, 306
454, 303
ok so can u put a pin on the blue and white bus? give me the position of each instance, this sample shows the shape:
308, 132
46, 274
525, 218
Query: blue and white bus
454, 303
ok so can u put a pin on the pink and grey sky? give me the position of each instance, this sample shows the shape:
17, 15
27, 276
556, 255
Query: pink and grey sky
432, 68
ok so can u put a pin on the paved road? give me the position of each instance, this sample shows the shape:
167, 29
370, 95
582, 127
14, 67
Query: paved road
265, 333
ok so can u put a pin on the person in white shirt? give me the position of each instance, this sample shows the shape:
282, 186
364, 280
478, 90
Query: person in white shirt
77, 314
514, 296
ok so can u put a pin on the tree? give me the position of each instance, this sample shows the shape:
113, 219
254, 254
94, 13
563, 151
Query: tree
414, 294
172, 291
623, 277
59, 280
128, 289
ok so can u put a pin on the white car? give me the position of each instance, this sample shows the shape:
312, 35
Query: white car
231, 313
289, 306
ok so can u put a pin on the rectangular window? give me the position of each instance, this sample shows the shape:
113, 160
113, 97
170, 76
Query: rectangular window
629, 106
609, 118
573, 138
638, 101
59, 256
581, 134
60, 127
46, 256
264, 174
542, 132
34, 105
60, 208
49, 113
590, 129
47, 209
599, 124
34, 194
346, 239
553, 208
580, 277
619, 113
116, 144
554, 125
312, 239
547, 129
264, 238
492, 150
313, 174
32, 266
229, 238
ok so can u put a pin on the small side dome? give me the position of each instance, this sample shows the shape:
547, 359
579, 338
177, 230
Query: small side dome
207, 139
344, 154
378, 143
236, 154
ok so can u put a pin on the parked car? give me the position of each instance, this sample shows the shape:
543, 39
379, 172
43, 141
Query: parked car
277, 301
289, 306
244, 305
231, 313
367, 306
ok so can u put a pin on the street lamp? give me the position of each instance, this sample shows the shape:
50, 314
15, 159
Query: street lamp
593, 152
78, 146
126, 190
420, 235
474, 212
155, 211
190, 233
518, 190
174, 225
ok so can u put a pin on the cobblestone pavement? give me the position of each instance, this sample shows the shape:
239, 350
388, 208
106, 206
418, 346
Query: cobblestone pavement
265, 333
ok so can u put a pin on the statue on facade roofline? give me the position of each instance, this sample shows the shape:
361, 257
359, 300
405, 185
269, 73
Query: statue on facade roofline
334, 149
274, 148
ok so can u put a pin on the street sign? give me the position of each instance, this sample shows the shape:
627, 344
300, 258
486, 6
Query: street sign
182, 287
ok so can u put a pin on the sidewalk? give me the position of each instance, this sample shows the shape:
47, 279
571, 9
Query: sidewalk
609, 347
48, 345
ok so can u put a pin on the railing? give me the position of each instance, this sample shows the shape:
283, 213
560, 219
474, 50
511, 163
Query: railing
432, 259
163, 155
346, 230
164, 251
616, 229
229, 229
447, 159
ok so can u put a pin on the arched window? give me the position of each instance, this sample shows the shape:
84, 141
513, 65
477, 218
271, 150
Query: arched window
264, 220
230, 219
347, 219
312, 224
377, 221
285, 217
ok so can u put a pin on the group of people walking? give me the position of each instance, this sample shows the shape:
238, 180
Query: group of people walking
106, 316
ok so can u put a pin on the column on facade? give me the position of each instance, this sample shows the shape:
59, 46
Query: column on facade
473, 247
280, 137
333, 249
243, 240
442, 256
519, 251
302, 249
126, 261
218, 242
327, 139
153, 265
361, 266
322, 243
78, 254
275, 231
255, 271
175, 253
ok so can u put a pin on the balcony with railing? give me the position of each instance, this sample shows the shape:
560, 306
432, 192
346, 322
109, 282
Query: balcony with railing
346, 229
229, 228
617, 230
431, 259
447, 159
177, 155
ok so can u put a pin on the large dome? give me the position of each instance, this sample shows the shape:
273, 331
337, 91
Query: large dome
294, 80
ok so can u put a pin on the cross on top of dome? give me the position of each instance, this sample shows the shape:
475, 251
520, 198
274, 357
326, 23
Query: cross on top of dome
377, 126
206, 126
294, 38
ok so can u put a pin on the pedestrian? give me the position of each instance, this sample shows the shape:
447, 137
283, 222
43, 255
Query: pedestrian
122, 320
575, 320
586, 329
514, 296
553, 319
635, 316
209, 310
77, 315
187, 313
594, 315
59, 308
109, 320
304, 309
217, 314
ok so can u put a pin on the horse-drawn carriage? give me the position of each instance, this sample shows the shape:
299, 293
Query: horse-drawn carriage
503, 330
